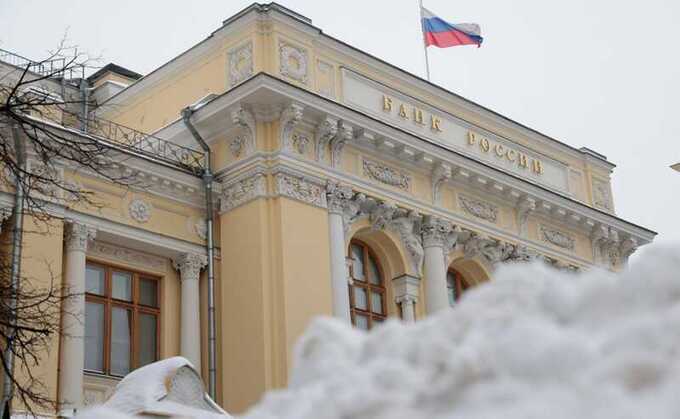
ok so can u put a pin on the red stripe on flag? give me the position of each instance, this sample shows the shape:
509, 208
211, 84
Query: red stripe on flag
448, 39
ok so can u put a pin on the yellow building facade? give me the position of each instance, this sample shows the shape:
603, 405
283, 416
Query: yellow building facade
345, 186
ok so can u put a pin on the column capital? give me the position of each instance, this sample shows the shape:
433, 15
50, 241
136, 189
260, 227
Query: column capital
339, 196
78, 235
435, 231
189, 265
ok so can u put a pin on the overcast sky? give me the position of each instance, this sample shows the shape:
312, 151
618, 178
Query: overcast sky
598, 73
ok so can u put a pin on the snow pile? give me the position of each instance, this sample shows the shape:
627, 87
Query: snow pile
148, 391
535, 343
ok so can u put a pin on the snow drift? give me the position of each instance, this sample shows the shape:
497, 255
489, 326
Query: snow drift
534, 343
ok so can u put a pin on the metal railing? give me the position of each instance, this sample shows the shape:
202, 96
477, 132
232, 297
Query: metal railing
146, 144
55, 68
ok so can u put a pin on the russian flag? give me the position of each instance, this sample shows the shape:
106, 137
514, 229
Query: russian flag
440, 33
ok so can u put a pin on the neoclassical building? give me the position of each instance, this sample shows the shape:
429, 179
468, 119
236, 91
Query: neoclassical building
343, 186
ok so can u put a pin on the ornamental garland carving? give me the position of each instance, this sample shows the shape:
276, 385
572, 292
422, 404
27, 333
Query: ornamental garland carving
293, 62
237, 145
240, 64
557, 238
387, 175
140, 210
479, 209
127, 256
301, 189
243, 191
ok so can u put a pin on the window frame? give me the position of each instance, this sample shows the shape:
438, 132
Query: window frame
135, 306
367, 285
460, 284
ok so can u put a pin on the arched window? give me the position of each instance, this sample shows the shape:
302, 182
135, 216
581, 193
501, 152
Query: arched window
367, 293
455, 285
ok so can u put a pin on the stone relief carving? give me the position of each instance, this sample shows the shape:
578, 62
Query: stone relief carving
492, 250
440, 175
127, 256
407, 223
243, 143
140, 210
601, 195
345, 134
300, 143
242, 191
237, 145
479, 209
301, 189
240, 64
290, 117
525, 207
557, 238
293, 62
387, 175
325, 132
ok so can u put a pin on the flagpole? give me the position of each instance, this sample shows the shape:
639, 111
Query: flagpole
427, 58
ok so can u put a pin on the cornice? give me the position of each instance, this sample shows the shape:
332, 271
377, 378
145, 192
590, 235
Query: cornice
398, 145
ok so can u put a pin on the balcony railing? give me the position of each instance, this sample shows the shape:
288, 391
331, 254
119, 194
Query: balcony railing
55, 68
146, 144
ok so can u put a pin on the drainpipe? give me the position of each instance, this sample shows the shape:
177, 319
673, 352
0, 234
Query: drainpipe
208, 183
17, 233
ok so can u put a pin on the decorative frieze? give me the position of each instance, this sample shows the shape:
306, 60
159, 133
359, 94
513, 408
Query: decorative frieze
480, 209
240, 64
140, 210
126, 256
557, 238
293, 62
301, 189
387, 175
242, 192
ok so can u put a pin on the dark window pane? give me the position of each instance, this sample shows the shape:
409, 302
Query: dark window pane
121, 286
95, 280
373, 272
148, 292
360, 298
147, 339
94, 337
361, 321
121, 338
376, 302
358, 262
451, 287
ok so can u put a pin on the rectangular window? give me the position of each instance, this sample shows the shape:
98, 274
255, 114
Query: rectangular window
122, 315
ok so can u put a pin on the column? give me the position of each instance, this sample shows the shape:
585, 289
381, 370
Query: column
406, 292
189, 266
72, 359
435, 232
339, 203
